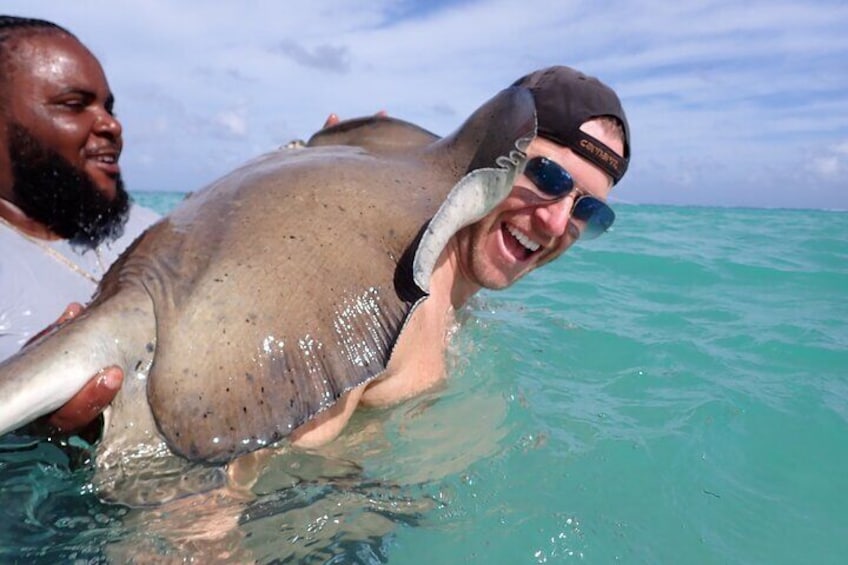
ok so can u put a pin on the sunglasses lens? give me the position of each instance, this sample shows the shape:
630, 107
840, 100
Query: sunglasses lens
554, 181
549, 177
596, 216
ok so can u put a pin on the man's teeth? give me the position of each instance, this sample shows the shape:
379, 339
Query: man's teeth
523, 239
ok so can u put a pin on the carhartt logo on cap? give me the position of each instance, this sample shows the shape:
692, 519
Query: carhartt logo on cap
601, 154
598, 153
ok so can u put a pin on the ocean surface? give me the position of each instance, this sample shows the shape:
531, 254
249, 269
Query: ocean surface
673, 392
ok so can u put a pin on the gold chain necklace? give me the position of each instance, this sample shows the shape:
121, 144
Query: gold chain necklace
55, 254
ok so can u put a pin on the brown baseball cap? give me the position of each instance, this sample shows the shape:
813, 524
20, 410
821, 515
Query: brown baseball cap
565, 99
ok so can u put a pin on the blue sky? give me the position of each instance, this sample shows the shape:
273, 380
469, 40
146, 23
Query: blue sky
730, 103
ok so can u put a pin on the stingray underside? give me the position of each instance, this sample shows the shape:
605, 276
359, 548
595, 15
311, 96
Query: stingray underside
288, 292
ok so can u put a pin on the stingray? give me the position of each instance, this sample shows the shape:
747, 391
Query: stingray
264, 297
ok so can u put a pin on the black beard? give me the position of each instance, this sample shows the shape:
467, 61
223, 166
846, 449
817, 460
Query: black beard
52, 191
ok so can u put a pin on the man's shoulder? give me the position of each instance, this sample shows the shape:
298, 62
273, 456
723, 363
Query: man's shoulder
140, 218
37, 281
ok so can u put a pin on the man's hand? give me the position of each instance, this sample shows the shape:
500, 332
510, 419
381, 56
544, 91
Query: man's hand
333, 119
88, 403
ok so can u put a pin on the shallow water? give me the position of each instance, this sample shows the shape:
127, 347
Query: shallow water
676, 391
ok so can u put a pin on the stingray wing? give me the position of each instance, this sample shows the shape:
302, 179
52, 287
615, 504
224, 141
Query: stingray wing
288, 292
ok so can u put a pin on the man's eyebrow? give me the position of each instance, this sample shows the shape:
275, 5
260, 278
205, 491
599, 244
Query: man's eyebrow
79, 91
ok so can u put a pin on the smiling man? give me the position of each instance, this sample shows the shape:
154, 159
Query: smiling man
581, 151
64, 212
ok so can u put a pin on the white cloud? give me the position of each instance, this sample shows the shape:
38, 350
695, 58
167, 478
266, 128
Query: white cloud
826, 166
234, 121
831, 163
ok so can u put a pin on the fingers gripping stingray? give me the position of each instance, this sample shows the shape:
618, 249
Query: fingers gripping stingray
284, 284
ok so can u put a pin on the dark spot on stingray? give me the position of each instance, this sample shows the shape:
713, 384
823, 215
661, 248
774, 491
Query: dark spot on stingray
228, 389
291, 403
292, 237
249, 377
138, 366
149, 347
244, 409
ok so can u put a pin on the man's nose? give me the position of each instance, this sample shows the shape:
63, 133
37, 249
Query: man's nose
107, 124
552, 218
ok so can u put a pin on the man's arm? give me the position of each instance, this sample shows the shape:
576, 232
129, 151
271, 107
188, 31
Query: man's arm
417, 364
327, 425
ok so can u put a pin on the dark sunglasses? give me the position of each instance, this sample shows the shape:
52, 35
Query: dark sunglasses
554, 181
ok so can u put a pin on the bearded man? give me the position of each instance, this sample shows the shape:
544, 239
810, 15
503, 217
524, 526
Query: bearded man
64, 213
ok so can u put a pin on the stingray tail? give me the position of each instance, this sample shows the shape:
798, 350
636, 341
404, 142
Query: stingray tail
49, 371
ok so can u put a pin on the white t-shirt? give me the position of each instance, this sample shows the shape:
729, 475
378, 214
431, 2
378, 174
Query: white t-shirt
38, 279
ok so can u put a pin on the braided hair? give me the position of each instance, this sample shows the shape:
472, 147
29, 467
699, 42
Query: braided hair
11, 25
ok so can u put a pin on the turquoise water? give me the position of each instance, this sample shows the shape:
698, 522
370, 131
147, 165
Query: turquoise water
674, 392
